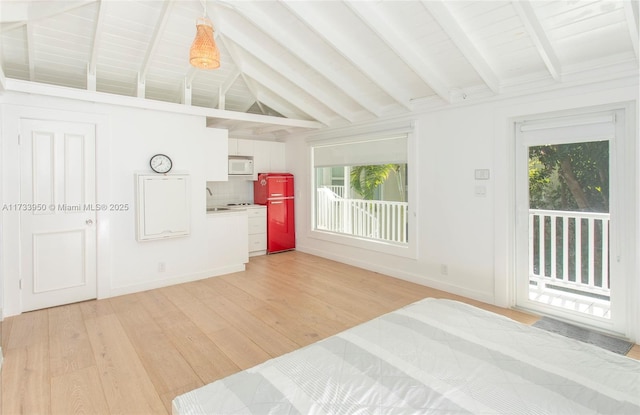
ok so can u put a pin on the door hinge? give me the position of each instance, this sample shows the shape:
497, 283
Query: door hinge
18, 138
20, 283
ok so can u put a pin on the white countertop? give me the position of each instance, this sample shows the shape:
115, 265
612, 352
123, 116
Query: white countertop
227, 211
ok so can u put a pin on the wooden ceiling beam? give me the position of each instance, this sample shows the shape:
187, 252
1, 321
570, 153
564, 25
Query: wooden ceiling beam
254, 14
95, 45
452, 28
3, 80
388, 33
233, 31
273, 103
538, 36
280, 88
631, 12
31, 54
156, 38
346, 47
224, 88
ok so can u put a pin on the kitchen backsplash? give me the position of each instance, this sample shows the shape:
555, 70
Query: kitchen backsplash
233, 191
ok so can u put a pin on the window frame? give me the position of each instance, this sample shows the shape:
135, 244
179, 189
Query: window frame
408, 250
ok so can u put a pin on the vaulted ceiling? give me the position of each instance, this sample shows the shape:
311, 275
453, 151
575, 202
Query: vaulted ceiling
321, 63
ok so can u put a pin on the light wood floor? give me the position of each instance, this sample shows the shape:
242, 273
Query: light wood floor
133, 354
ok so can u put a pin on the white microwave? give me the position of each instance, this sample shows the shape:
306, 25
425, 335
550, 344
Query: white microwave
240, 165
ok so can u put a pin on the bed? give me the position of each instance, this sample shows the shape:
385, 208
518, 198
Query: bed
433, 356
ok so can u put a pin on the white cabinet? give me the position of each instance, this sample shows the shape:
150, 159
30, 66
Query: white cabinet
227, 237
261, 159
240, 147
162, 206
215, 147
257, 222
268, 157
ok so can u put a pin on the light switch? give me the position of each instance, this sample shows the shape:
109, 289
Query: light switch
481, 191
482, 174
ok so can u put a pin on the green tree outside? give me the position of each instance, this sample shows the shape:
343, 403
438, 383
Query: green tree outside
572, 177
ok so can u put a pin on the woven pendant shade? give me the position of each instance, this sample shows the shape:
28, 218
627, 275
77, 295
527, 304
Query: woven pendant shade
204, 53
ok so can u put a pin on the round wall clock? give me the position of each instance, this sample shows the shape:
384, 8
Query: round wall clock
160, 163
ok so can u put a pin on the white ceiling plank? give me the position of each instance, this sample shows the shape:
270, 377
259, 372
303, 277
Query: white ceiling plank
7, 27
267, 130
19, 13
527, 15
452, 28
631, 12
344, 45
279, 33
157, 37
277, 64
379, 24
31, 55
97, 35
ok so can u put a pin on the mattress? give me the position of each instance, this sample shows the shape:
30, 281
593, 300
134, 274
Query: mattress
433, 356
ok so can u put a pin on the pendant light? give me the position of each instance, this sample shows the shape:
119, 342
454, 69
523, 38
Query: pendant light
204, 53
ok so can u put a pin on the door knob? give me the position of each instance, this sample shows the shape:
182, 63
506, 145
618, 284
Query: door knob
89, 222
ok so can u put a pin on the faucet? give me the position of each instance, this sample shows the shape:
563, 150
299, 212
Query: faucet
210, 194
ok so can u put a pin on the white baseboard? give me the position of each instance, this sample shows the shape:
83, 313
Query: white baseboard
406, 276
135, 288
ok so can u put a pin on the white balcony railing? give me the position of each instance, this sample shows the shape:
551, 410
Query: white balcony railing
569, 251
338, 190
372, 219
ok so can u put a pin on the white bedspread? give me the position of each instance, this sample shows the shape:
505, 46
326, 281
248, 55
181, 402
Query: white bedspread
433, 356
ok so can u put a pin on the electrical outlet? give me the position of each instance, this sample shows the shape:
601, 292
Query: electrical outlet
444, 269
161, 267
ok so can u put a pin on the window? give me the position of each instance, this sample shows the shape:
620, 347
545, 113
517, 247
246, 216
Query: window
361, 190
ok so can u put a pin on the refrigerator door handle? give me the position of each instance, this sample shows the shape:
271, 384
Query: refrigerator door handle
275, 194
277, 203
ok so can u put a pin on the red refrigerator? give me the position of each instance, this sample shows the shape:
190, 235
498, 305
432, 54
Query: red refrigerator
275, 190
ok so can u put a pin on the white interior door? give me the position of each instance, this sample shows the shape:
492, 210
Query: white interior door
570, 235
58, 213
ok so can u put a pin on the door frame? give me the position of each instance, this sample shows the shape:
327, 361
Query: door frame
505, 121
587, 127
11, 167
43, 287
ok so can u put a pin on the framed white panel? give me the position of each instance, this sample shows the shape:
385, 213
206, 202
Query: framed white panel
74, 173
43, 167
162, 206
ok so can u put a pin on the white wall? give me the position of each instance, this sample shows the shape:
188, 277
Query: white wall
126, 139
472, 235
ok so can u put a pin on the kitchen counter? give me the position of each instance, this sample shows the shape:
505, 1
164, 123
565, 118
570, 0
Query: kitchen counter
225, 211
